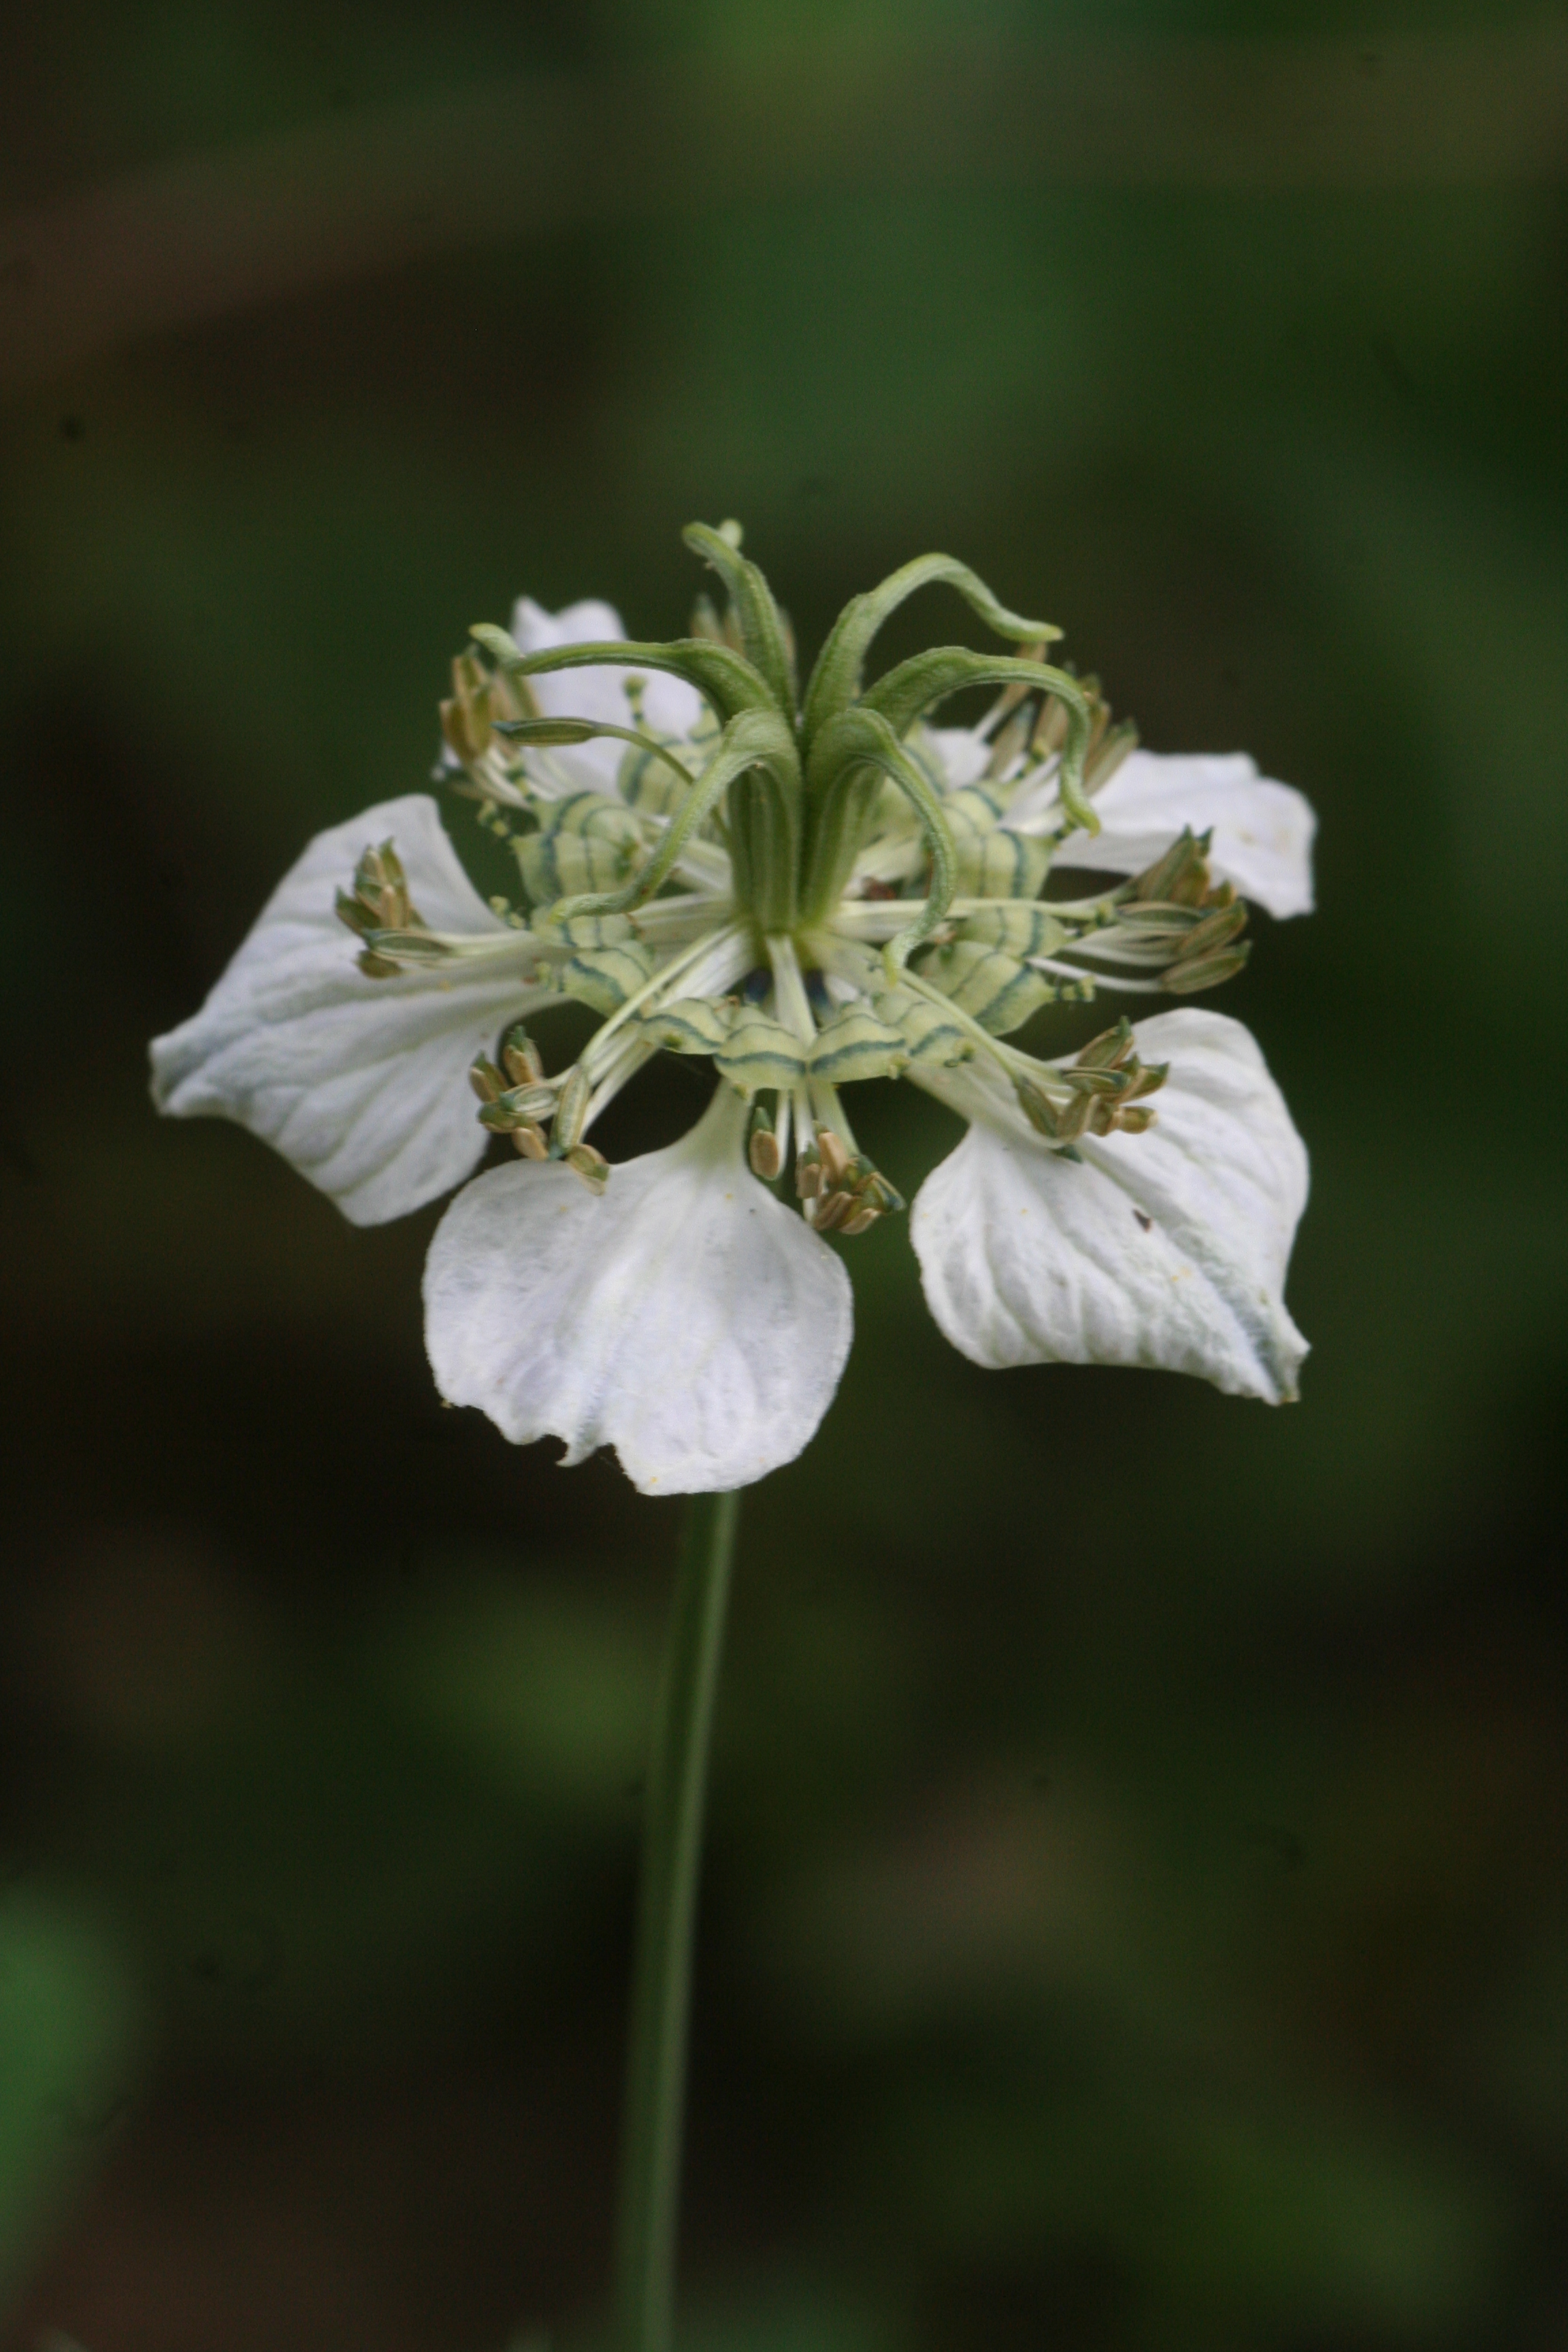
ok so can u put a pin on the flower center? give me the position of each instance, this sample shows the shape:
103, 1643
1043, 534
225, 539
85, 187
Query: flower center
793, 883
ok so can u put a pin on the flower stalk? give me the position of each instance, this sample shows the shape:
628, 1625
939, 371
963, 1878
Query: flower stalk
667, 1912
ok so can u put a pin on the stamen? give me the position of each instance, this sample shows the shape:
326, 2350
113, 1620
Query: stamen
571, 1113
762, 1144
1206, 971
834, 1157
591, 1166
635, 1054
707, 967
521, 1057
784, 1123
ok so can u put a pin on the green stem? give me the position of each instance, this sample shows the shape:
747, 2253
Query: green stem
666, 1906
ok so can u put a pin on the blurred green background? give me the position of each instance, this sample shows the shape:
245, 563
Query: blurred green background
1135, 1915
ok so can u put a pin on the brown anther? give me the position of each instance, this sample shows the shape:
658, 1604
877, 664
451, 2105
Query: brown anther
1009, 741
353, 912
1135, 1118
525, 1067
510, 697
486, 1079
1103, 1083
1057, 1122
1074, 1119
1050, 726
835, 1158
807, 1172
589, 1166
376, 967
763, 1154
1171, 879
465, 717
830, 1211
1185, 979
460, 732
863, 1219
1109, 1049
1215, 930
1192, 886
1107, 754
531, 1140
1038, 1110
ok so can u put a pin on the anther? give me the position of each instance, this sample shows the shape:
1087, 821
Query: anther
1185, 979
762, 1145
1111, 1082
1009, 743
486, 1079
1110, 1048
531, 1140
807, 1172
571, 1114
1215, 931
521, 1057
861, 1221
589, 1165
1057, 1122
466, 718
834, 1159
831, 1211
1167, 881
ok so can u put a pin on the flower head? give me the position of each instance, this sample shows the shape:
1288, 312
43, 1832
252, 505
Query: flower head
810, 889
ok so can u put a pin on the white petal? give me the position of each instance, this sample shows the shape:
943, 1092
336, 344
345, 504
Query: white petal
669, 706
1262, 831
964, 753
687, 1318
1166, 1249
361, 1083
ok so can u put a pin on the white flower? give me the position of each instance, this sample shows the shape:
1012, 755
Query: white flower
811, 892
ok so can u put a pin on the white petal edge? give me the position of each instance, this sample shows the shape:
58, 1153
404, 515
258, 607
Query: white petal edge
1263, 831
1166, 1250
361, 1083
669, 706
686, 1317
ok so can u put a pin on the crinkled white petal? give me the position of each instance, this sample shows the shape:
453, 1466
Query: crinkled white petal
686, 1317
1262, 831
361, 1083
1166, 1249
669, 706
